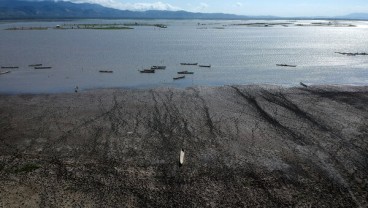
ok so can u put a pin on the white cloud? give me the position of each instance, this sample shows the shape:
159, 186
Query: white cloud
202, 6
239, 4
130, 6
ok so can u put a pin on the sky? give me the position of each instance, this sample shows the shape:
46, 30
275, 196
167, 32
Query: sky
283, 8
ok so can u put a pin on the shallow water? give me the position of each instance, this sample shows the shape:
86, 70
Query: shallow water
238, 55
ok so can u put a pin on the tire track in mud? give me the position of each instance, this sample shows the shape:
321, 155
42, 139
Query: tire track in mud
273, 121
334, 134
168, 131
92, 126
167, 118
117, 116
280, 129
6, 117
357, 100
280, 100
161, 121
206, 113
166, 121
50, 146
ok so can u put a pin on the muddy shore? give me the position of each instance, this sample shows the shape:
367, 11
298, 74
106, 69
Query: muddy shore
245, 146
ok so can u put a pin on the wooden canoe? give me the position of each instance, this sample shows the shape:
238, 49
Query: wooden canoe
185, 72
180, 77
208, 66
42, 67
4, 72
181, 159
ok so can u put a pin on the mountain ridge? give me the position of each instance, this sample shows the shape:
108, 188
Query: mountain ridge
10, 9
18, 9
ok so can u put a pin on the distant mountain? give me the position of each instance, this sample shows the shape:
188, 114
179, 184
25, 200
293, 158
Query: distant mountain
14, 9
20, 9
356, 16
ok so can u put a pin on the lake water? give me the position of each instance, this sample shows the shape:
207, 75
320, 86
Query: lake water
237, 54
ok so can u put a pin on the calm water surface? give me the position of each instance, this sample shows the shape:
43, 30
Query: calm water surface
238, 55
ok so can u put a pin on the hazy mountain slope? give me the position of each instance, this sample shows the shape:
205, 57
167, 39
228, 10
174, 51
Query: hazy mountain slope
50, 9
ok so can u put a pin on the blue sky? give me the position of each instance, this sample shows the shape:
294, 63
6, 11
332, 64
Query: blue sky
246, 7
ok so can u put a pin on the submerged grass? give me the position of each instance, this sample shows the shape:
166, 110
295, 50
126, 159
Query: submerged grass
126, 26
27, 28
97, 27
109, 28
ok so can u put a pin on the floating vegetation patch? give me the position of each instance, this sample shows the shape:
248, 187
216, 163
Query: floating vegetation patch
325, 24
287, 24
261, 24
27, 28
94, 26
160, 25
145, 24
111, 28
77, 26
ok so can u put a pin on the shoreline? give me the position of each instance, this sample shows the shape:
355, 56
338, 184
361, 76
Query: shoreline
252, 145
160, 87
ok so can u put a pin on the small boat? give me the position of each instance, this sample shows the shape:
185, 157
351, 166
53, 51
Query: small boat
191, 64
185, 72
302, 84
4, 72
42, 67
179, 77
106, 71
158, 67
208, 66
33, 65
352, 54
181, 157
286, 65
10, 67
147, 71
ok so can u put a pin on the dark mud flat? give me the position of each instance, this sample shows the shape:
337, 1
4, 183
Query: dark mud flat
245, 146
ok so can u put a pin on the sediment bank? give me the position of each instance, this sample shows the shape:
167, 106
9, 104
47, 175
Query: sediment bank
244, 146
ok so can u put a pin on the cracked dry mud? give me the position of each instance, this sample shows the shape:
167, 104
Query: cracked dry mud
244, 146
